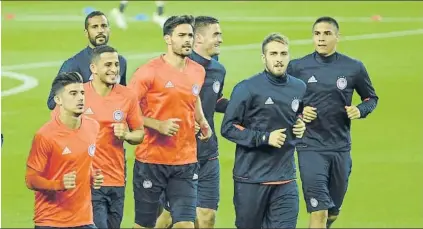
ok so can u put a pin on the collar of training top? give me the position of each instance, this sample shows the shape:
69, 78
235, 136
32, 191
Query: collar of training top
199, 59
325, 59
89, 49
276, 79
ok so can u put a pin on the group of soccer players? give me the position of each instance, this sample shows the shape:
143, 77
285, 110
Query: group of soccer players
77, 162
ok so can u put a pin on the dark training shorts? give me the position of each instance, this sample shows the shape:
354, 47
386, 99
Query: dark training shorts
108, 203
208, 193
324, 177
179, 182
266, 206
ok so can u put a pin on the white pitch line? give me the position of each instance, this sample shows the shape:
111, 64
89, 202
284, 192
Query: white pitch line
29, 82
370, 36
79, 18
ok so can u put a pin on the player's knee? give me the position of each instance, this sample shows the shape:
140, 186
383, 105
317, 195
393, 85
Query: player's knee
320, 216
206, 218
164, 220
183, 224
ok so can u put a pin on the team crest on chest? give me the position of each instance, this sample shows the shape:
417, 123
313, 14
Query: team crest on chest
91, 150
216, 86
341, 83
195, 89
118, 115
295, 104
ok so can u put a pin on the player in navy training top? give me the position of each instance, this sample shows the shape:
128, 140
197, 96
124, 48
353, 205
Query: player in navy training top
324, 154
97, 31
263, 119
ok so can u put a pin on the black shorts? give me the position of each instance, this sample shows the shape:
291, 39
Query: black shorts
108, 204
208, 193
179, 182
266, 206
324, 177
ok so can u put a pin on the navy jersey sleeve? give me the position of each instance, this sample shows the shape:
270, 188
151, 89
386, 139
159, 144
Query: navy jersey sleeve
232, 125
123, 69
221, 103
366, 91
67, 66
290, 70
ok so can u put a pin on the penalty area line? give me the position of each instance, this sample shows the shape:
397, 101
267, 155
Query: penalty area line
28, 82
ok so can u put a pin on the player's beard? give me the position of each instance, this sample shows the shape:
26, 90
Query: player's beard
93, 40
181, 50
272, 68
78, 113
213, 50
181, 53
105, 79
110, 82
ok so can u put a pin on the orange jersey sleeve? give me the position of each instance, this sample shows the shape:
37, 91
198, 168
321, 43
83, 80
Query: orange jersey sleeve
141, 81
39, 154
37, 182
134, 117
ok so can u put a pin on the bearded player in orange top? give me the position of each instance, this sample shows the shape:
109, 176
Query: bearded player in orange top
116, 109
168, 89
59, 166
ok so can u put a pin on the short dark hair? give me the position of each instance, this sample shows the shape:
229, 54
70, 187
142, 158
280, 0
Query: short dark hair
63, 79
204, 21
172, 22
97, 51
274, 37
94, 14
327, 19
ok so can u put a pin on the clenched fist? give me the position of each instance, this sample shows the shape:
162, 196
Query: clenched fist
197, 128
169, 127
299, 128
206, 132
353, 112
277, 138
97, 179
120, 130
309, 114
69, 180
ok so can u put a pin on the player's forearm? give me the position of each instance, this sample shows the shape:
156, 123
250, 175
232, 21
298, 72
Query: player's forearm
151, 123
242, 136
221, 105
199, 115
367, 106
38, 183
135, 137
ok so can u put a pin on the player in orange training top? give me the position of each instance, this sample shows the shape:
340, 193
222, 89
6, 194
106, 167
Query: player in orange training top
116, 108
59, 166
168, 89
